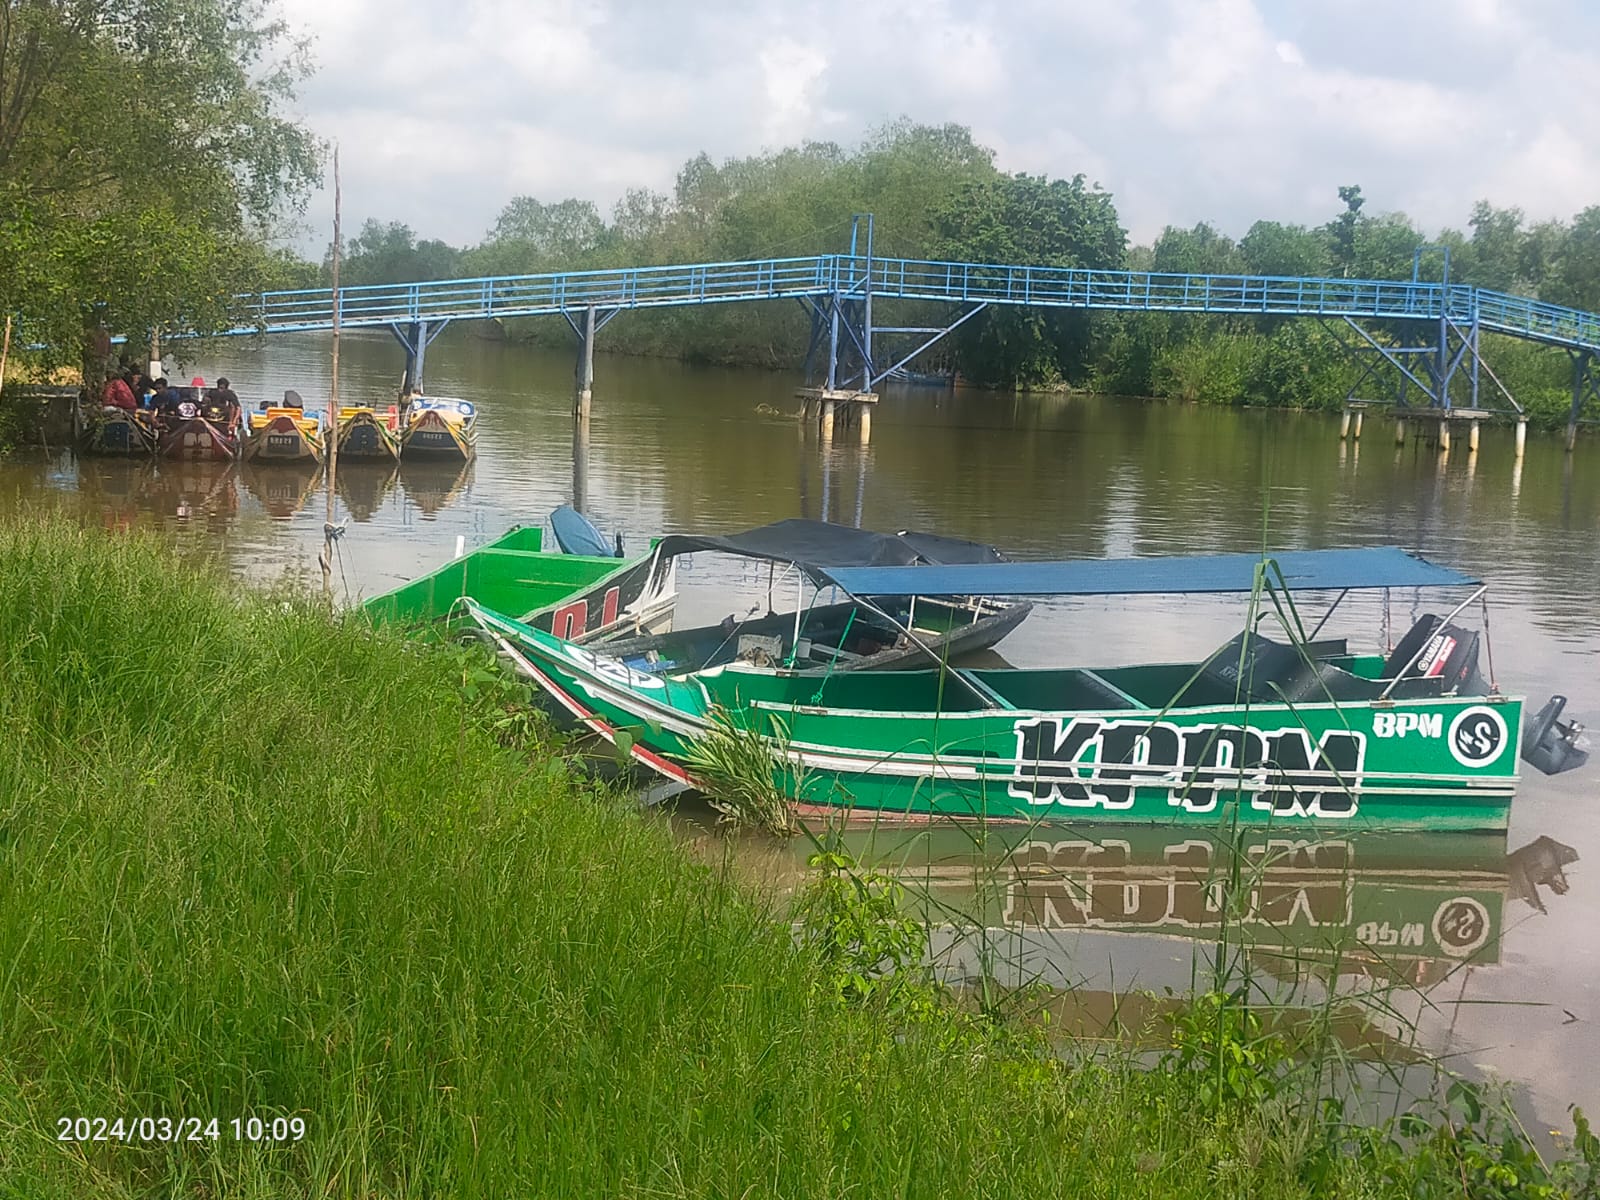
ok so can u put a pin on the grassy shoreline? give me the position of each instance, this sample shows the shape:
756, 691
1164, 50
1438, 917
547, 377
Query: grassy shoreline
257, 862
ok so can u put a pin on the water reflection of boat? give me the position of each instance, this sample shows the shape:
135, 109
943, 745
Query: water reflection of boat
119, 486
282, 488
190, 488
432, 485
1406, 905
364, 485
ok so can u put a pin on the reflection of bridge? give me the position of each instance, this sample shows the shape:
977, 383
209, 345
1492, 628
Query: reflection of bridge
838, 290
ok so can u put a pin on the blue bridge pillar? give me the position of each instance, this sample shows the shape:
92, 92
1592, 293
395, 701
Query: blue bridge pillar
415, 337
1584, 387
583, 375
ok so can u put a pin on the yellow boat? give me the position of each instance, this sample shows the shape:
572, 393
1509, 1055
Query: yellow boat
439, 427
366, 434
283, 435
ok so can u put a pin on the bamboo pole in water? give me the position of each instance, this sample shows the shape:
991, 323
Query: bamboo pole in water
332, 444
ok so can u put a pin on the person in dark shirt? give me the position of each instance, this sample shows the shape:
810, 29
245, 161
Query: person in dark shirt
164, 401
225, 393
222, 404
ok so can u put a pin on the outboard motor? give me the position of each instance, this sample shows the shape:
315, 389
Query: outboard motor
1550, 743
1447, 653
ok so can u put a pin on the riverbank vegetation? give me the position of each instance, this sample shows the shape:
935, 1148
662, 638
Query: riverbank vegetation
145, 153
936, 193
261, 863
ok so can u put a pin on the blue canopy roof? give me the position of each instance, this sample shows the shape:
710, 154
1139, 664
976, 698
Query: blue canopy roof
1303, 570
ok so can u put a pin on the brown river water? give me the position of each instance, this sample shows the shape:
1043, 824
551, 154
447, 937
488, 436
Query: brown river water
1495, 961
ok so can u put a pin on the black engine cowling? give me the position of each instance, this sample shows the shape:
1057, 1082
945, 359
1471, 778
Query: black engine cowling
1432, 650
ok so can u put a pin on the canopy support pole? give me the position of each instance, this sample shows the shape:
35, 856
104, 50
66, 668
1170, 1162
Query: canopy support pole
1412, 661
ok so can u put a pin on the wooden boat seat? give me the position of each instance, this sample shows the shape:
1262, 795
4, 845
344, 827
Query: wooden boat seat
823, 653
983, 689
1110, 695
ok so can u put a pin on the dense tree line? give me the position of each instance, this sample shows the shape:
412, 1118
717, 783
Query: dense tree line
144, 153
936, 193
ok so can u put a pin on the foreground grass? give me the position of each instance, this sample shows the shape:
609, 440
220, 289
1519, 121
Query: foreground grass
255, 863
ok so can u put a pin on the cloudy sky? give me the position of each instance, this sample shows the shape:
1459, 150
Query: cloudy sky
1186, 110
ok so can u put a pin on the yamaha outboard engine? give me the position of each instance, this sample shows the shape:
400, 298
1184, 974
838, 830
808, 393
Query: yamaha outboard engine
1431, 650
1550, 743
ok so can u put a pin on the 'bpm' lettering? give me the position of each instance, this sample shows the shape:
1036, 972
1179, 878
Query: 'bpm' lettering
1087, 762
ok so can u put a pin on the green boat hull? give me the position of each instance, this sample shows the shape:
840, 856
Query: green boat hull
580, 597
952, 744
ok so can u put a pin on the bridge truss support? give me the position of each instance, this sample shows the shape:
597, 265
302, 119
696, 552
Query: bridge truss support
594, 320
1585, 387
841, 322
1431, 382
1446, 371
416, 337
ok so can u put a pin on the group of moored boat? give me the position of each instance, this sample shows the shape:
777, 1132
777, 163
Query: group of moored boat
425, 427
860, 695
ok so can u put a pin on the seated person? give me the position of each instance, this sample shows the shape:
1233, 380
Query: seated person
222, 404
291, 399
118, 394
164, 400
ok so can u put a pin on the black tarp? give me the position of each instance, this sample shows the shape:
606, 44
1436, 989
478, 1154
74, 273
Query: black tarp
820, 545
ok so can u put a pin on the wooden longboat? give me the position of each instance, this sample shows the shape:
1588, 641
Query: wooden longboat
1291, 735
284, 436
873, 633
198, 438
366, 435
118, 431
835, 637
439, 427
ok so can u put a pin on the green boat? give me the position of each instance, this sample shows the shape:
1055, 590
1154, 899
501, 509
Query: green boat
581, 597
1292, 733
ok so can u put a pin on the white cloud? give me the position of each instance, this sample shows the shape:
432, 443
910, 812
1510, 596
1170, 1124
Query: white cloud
1187, 110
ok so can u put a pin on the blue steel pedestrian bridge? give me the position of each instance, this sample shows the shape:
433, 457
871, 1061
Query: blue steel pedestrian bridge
839, 290
853, 277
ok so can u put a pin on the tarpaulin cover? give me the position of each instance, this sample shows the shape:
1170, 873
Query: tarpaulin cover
1303, 570
576, 534
820, 545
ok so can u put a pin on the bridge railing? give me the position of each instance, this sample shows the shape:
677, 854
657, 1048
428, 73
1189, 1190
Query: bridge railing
1554, 323
517, 295
820, 275
1077, 287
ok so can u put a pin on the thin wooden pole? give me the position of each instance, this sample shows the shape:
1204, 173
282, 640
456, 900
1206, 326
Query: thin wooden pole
5, 353
332, 445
